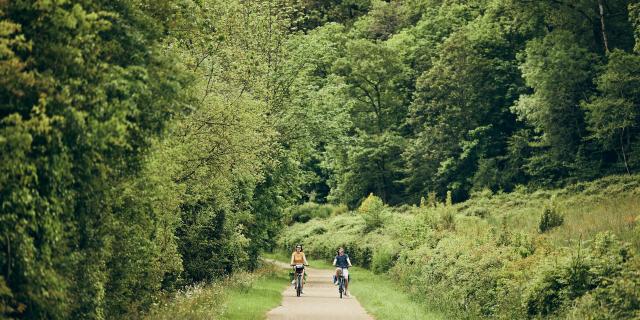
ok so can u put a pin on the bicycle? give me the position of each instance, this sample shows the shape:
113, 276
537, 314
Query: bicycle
299, 270
341, 288
340, 285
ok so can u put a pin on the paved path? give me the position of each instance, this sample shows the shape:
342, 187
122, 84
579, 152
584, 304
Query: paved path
320, 300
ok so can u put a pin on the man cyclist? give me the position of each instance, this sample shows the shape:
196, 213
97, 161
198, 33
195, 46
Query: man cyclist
298, 258
342, 262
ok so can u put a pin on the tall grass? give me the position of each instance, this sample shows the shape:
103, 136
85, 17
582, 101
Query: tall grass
254, 302
486, 257
243, 296
193, 303
384, 299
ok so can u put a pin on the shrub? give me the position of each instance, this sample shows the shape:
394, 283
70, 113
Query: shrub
619, 300
441, 217
549, 219
447, 219
384, 258
319, 230
371, 210
480, 212
449, 201
310, 210
432, 200
559, 285
339, 209
498, 267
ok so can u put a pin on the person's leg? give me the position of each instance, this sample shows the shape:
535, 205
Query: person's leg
345, 274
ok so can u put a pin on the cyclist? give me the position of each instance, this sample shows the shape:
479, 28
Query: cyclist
342, 262
298, 258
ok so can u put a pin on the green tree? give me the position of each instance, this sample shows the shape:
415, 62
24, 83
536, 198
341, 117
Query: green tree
612, 115
559, 71
460, 113
319, 12
89, 88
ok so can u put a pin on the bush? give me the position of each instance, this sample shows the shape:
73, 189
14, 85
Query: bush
371, 210
557, 286
339, 209
619, 300
310, 210
549, 219
562, 283
447, 219
383, 259
479, 212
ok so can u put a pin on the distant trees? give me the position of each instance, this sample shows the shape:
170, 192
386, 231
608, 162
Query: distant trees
318, 12
613, 115
559, 71
480, 94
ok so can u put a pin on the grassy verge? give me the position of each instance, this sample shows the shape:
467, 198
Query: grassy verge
244, 296
377, 293
253, 303
385, 300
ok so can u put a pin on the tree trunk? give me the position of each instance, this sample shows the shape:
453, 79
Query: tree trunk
605, 40
624, 155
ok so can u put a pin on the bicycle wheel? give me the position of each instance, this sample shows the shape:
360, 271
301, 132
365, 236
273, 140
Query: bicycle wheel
299, 285
340, 287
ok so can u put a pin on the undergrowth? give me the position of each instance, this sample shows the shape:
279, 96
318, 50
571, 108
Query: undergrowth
243, 296
489, 257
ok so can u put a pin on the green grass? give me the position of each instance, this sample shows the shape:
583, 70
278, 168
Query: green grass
243, 296
384, 300
254, 302
377, 293
193, 303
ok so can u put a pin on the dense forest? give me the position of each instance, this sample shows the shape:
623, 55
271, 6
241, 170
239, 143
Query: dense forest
149, 145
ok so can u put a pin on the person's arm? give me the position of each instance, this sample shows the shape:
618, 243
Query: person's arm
291, 259
349, 261
334, 261
304, 258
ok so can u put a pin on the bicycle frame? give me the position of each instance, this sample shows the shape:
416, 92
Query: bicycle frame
299, 279
341, 285
298, 284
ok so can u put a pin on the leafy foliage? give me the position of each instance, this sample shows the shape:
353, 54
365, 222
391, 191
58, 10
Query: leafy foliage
500, 266
137, 157
549, 219
448, 96
371, 210
146, 146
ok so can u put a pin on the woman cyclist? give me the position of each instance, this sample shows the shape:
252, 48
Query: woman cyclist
298, 258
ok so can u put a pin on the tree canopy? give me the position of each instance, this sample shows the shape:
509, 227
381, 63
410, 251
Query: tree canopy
150, 145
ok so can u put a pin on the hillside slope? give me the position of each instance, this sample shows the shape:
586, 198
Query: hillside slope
566, 253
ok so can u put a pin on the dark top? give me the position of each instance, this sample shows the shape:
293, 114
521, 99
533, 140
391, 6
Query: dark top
341, 261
